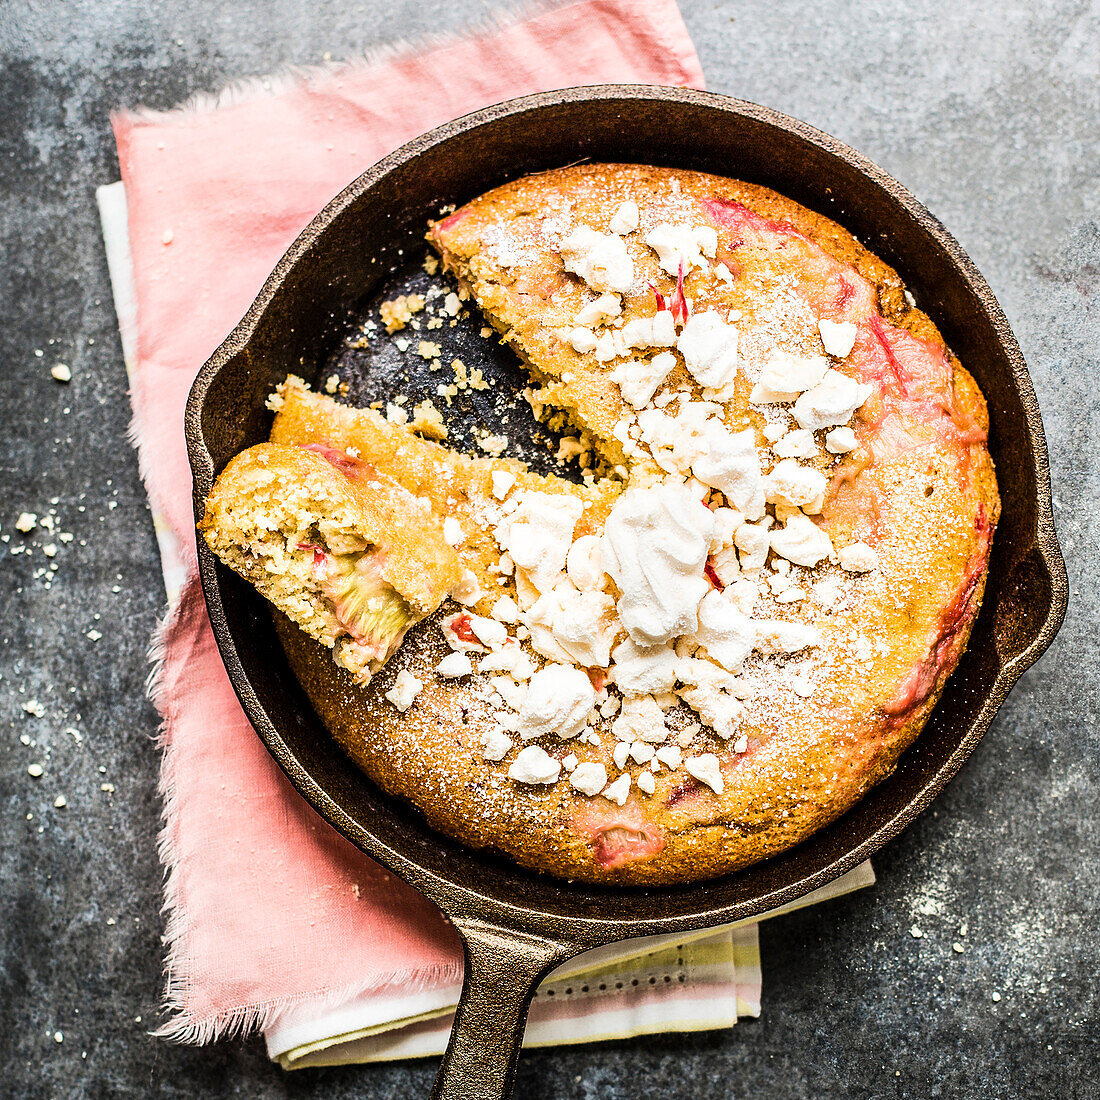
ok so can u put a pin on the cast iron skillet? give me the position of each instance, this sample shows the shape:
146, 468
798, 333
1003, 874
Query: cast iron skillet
517, 925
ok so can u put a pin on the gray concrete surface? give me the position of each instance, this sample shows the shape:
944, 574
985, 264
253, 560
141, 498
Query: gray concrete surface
989, 112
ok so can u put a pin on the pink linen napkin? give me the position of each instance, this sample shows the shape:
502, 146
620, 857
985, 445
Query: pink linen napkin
267, 905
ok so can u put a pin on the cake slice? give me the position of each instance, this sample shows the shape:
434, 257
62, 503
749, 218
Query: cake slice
343, 550
467, 495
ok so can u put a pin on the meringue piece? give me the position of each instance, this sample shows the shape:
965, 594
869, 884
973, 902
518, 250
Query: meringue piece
538, 534
509, 658
792, 484
646, 783
671, 756
541, 617
496, 744
686, 244
708, 344
641, 752
585, 626
453, 535
840, 441
608, 348
620, 753
604, 308
534, 766
569, 762
454, 666
832, 401
511, 692
456, 629
505, 610
797, 443
658, 331
639, 379
729, 462
600, 259
706, 768
641, 719
584, 563
726, 634
726, 522
589, 779
838, 337
710, 691
406, 687
785, 375
468, 590
488, 631
801, 541
502, 483
558, 700
582, 340
655, 547
617, 792
754, 541
625, 218
858, 557
643, 670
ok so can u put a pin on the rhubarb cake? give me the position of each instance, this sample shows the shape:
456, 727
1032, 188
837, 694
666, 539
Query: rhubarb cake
728, 630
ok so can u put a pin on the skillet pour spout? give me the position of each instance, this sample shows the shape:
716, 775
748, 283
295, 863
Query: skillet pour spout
516, 926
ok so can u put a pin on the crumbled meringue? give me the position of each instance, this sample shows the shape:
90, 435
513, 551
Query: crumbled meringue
584, 563
454, 666
600, 259
625, 219
655, 547
753, 540
837, 337
785, 375
658, 331
639, 379
537, 535
832, 401
708, 344
840, 441
604, 308
728, 461
726, 634
589, 779
585, 626
706, 768
792, 484
534, 766
641, 719
801, 541
797, 443
686, 244
406, 687
558, 700
643, 670
617, 792
858, 557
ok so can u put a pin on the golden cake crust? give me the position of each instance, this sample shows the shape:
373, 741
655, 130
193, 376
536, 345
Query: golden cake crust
920, 488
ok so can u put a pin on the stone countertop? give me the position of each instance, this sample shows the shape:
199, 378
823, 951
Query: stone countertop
988, 113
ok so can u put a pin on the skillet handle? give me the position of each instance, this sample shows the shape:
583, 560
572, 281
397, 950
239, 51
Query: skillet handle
503, 967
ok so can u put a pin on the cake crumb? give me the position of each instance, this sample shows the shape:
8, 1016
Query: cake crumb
397, 312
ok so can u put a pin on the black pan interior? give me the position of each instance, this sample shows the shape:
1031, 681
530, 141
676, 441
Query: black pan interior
368, 245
